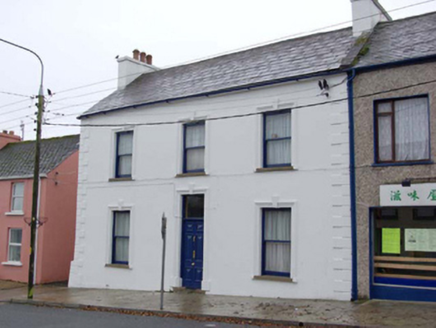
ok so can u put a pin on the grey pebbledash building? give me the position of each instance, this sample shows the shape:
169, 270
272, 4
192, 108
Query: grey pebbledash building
394, 100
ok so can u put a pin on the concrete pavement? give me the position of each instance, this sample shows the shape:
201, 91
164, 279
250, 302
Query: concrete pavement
295, 312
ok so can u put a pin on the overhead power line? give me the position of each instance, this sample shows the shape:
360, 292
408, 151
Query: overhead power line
242, 115
114, 79
15, 94
246, 48
14, 103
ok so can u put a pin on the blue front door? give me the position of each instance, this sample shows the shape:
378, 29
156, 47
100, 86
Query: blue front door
192, 253
192, 241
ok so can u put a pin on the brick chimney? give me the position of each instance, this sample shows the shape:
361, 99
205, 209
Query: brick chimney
6, 138
366, 15
130, 68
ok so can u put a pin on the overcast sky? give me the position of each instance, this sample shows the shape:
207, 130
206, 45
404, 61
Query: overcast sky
78, 41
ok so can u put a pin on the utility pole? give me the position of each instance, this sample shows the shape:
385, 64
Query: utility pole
35, 193
22, 130
34, 219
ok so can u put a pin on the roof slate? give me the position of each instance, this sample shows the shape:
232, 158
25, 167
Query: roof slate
17, 159
408, 38
291, 58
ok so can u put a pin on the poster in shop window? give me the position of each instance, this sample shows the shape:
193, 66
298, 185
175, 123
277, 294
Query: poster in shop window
420, 240
391, 240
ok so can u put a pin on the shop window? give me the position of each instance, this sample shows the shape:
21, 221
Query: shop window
404, 249
424, 213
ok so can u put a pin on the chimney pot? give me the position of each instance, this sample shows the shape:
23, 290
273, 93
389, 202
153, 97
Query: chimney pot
142, 57
8, 137
149, 59
136, 54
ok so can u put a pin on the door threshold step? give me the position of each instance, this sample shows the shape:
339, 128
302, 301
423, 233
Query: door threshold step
184, 290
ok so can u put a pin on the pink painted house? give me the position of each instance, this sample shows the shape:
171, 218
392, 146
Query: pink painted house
57, 207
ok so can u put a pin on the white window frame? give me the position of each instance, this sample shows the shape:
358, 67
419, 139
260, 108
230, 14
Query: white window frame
260, 132
265, 140
113, 152
14, 196
109, 231
14, 244
275, 202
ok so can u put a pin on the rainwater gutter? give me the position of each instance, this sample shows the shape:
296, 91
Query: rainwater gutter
354, 290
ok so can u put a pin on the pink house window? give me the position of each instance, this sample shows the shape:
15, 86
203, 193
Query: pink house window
17, 197
14, 253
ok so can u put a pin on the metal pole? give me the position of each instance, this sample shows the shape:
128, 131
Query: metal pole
34, 218
164, 239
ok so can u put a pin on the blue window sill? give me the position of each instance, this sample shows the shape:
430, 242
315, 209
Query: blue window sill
402, 164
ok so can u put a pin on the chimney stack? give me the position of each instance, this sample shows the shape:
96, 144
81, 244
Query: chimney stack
6, 138
130, 68
366, 15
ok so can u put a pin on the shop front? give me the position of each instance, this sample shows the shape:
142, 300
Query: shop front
403, 243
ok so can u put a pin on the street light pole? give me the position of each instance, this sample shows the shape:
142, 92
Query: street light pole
34, 218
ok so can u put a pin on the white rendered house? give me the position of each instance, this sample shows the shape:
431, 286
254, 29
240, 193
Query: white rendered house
247, 154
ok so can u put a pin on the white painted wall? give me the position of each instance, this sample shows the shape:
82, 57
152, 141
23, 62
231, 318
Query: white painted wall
366, 15
129, 69
317, 190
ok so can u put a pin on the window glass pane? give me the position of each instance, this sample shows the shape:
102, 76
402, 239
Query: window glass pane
278, 225
278, 152
18, 189
278, 257
122, 250
385, 138
278, 126
411, 129
124, 165
17, 204
16, 236
195, 159
388, 213
426, 213
384, 107
194, 135
14, 253
193, 206
122, 223
125, 143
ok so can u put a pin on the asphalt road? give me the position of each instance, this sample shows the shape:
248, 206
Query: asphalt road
26, 316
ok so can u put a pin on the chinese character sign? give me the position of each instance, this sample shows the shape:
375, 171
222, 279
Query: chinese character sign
419, 194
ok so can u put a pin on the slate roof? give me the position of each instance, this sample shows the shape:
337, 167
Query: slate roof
390, 41
291, 58
16, 159
407, 38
